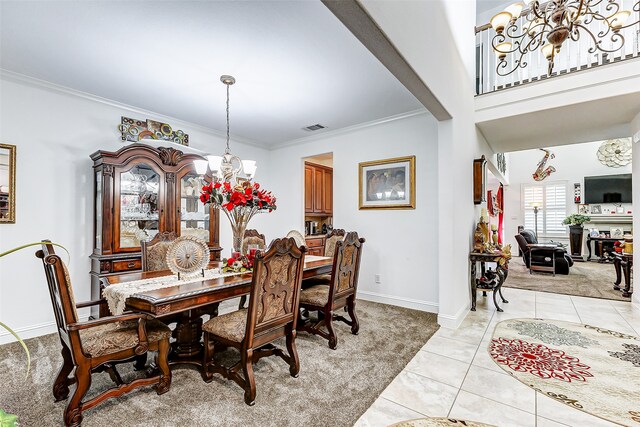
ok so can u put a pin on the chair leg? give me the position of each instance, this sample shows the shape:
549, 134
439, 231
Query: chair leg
351, 306
207, 358
163, 364
250, 381
61, 384
328, 322
73, 411
243, 301
294, 363
141, 362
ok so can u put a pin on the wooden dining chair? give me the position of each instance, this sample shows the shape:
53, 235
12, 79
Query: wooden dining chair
334, 237
251, 237
272, 314
337, 292
154, 251
98, 345
298, 237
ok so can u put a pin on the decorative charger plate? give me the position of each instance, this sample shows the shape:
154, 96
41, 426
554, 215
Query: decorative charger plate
187, 255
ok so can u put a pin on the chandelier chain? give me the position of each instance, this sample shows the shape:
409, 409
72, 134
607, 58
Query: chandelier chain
227, 150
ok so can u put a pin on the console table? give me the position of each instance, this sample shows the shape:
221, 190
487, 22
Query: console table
601, 246
623, 263
501, 271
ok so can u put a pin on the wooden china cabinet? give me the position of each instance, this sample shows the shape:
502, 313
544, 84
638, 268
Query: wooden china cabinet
140, 191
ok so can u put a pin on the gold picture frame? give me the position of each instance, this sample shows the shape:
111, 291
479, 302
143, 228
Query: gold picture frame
388, 183
7, 184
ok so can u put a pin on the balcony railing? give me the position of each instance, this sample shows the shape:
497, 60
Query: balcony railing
573, 56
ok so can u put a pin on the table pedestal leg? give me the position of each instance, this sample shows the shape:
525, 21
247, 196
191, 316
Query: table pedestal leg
187, 347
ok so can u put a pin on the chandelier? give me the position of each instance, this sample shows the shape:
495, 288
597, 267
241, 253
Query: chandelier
546, 26
228, 167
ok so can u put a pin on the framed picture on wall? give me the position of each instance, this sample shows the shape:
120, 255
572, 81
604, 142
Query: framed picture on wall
596, 209
388, 184
583, 209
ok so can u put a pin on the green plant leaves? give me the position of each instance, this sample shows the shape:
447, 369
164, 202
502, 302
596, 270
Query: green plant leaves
7, 420
26, 350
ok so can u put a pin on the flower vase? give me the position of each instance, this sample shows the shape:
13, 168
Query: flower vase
238, 236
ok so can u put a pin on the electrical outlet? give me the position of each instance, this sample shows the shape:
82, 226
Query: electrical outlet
377, 277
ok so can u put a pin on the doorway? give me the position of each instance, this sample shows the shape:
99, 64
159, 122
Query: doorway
318, 201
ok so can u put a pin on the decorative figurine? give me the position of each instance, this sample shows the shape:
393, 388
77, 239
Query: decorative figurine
478, 239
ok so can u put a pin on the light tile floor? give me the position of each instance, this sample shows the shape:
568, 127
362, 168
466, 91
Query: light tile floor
454, 376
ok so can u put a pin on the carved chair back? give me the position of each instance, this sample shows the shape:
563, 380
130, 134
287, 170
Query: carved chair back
60, 290
252, 237
298, 237
275, 289
346, 266
332, 238
154, 251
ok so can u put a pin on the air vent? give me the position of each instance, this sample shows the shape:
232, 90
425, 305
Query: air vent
311, 128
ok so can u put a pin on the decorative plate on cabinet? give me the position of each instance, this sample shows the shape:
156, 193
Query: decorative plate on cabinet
188, 256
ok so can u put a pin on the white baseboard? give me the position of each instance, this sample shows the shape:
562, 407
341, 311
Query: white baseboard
431, 307
453, 322
30, 331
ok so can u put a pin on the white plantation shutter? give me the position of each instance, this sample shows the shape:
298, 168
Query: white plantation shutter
552, 199
531, 194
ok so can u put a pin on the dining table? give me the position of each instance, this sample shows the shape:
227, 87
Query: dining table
186, 303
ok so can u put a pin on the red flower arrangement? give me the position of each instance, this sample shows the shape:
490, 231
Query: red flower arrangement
249, 195
239, 203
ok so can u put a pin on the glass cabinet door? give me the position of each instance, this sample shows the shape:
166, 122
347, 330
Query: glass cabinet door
139, 205
194, 215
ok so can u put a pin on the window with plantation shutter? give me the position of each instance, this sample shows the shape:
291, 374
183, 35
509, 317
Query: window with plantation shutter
552, 201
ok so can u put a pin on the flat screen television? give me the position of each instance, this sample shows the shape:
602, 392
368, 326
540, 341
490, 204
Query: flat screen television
607, 189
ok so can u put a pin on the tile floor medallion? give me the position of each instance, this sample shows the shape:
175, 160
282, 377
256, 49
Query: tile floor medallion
471, 386
590, 368
439, 422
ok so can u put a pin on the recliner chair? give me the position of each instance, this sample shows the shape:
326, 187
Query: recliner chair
543, 256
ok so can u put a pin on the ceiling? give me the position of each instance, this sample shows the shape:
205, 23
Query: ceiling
295, 63
596, 120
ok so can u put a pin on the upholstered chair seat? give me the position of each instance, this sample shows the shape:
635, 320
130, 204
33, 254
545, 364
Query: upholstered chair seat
114, 337
230, 326
315, 295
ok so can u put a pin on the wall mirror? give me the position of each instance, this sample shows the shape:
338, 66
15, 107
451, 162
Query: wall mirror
7, 183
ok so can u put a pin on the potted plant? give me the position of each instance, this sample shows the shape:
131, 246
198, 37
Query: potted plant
576, 230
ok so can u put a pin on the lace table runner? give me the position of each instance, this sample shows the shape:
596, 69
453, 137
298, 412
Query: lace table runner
116, 295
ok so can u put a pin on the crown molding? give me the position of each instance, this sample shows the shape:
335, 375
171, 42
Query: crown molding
349, 129
43, 84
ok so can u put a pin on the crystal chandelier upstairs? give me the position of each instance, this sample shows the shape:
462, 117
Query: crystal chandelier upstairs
546, 26
228, 167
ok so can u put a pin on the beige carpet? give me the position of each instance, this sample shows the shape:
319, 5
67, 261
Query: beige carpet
335, 387
585, 367
585, 279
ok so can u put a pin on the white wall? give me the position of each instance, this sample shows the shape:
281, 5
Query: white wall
423, 33
572, 163
400, 243
55, 132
